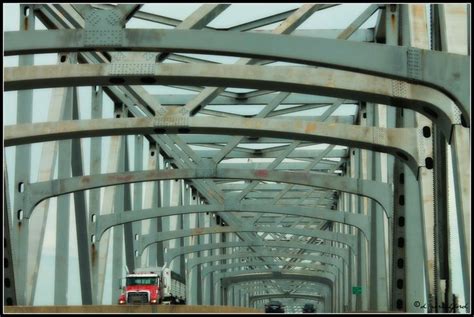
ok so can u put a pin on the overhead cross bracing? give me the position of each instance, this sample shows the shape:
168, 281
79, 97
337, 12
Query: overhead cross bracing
318, 152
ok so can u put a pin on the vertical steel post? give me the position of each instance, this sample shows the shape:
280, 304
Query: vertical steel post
416, 289
200, 240
206, 286
9, 294
213, 291
151, 200
399, 284
441, 194
127, 206
100, 250
455, 36
138, 191
97, 95
415, 34
117, 231
61, 266
462, 172
218, 293
20, 229
178, 190
166, 200
389, 117
378, 269
237, 296
355, 173
161, 222
84, 243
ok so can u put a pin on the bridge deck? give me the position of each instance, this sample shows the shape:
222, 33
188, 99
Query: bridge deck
160, 309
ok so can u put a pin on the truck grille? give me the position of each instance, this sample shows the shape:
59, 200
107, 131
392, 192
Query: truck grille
137, 298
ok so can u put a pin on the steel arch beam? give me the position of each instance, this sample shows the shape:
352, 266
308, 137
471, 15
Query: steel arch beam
340, 253
239, 277
405, 143
149, 239
106, 221
37, 192
252, 286
254, 298
315, 81
212, 268
447, 72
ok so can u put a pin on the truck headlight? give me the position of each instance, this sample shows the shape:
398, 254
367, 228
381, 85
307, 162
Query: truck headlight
153, 301
121, 301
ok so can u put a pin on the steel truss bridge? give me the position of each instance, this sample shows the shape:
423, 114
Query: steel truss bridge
305, 165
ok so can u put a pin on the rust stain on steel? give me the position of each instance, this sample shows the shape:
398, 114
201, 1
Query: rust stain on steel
93, 254
261, 173
122, 178
393, 22
419, 26
197, 231
86, 179
310, 127
25, 23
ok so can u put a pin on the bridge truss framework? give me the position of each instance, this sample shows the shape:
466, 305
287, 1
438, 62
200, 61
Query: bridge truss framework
244, 204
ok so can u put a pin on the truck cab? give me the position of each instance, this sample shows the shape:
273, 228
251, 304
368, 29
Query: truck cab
141, 288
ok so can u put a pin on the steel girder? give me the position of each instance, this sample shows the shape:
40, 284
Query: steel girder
208, 270
447, 72
239, 277
321, 81
339, 253
243, 255
252, 286
388, 140
244, 100
104, 222
37, 192
146, 240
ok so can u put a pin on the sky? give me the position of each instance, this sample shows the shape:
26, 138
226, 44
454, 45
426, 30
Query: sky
338, 17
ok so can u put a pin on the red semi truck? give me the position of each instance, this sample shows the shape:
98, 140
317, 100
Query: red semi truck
141, 288
150, 286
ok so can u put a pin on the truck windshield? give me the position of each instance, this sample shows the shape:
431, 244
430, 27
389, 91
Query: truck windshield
141, 281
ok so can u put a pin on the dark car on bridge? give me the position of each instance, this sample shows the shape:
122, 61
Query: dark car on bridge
309, 308
274, 307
